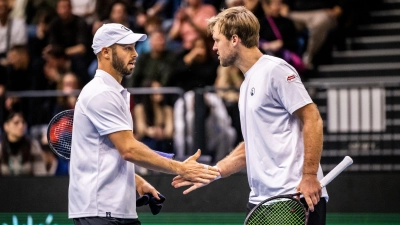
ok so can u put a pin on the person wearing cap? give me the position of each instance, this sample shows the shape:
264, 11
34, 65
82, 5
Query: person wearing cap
103, 183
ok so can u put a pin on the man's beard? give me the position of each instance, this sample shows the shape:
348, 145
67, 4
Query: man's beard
119, 65
229, 60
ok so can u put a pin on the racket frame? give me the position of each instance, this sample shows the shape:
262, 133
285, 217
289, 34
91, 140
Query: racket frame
56, 118
346, 162
291, 197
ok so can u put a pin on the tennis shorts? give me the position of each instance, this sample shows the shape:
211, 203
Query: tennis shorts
318, 217
105, 221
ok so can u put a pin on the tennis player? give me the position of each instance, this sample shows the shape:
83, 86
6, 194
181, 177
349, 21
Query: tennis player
282, 127
103, 183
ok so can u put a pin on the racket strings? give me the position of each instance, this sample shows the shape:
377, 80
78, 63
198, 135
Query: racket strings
61, 133
278, 212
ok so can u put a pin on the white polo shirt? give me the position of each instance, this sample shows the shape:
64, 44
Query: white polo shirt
101, 182
271, 92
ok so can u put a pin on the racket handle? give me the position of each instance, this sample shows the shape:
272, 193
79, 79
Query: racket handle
166, 155
347, 161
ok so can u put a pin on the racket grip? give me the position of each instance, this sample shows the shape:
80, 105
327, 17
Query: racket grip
347, 161
166, 155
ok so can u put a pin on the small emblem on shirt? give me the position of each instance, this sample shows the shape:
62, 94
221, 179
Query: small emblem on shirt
253, 91
290, 78
108, 214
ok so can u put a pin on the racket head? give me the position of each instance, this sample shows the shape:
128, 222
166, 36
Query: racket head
281, 209
59, 133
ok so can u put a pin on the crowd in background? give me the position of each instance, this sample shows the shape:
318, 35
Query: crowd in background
46, 45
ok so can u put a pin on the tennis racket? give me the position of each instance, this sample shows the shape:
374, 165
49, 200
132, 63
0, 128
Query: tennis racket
59, 135
286, 209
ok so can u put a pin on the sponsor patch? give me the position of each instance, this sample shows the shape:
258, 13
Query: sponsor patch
290, 78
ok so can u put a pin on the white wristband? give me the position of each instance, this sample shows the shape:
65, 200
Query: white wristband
219, 176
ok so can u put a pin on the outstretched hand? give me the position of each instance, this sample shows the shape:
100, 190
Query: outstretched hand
179, 181
196, 172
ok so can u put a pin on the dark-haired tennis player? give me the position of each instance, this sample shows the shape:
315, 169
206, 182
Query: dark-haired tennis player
103, 184
282, 127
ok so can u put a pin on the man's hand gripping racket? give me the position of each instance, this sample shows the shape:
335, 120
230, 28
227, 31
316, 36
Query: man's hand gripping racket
287, 209
59, 135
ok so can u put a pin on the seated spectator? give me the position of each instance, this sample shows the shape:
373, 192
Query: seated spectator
278, 35
71, 32
196, 68
228, 82
154, 120
163, 9
319, 17
19, 155
18, 72
47, 75
55, 165
190, 22
17, 76
85, 9
118, 14
152, 24
38, 37
219, 133
157, 65
12, 31
69, 83
232, 3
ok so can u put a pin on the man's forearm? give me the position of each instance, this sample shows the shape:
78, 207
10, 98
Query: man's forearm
313, 141
234, 162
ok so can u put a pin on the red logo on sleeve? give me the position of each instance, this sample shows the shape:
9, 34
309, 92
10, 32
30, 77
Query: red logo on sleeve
290, 78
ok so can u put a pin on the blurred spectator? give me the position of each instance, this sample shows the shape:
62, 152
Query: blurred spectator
157, 65
18, 8
228, 82
47, 75
16, 76
219, 133
19, 155
54, 164
231, 3
38, 37
69, 82
319, 17
190, 22
154, 120
278, 35
196, 68
72, 33
255, 7
18, 73
163, 9
12, 31
85, 9
118, 14
152, 24
35, 8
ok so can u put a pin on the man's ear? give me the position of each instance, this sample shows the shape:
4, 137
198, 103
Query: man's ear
235, 40
106, 52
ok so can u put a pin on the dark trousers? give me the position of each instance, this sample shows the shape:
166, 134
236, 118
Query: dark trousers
318, 217
105, 221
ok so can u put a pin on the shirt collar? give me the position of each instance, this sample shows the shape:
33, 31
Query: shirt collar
109, 80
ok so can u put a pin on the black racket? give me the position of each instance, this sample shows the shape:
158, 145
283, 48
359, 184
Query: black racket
59, 135
287, 209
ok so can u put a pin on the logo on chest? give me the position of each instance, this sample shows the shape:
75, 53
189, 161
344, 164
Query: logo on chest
252, 91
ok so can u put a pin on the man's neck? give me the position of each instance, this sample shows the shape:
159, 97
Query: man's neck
247, 58
112, 72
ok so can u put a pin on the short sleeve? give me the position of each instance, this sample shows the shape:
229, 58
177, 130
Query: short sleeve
287, 88
107, 113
